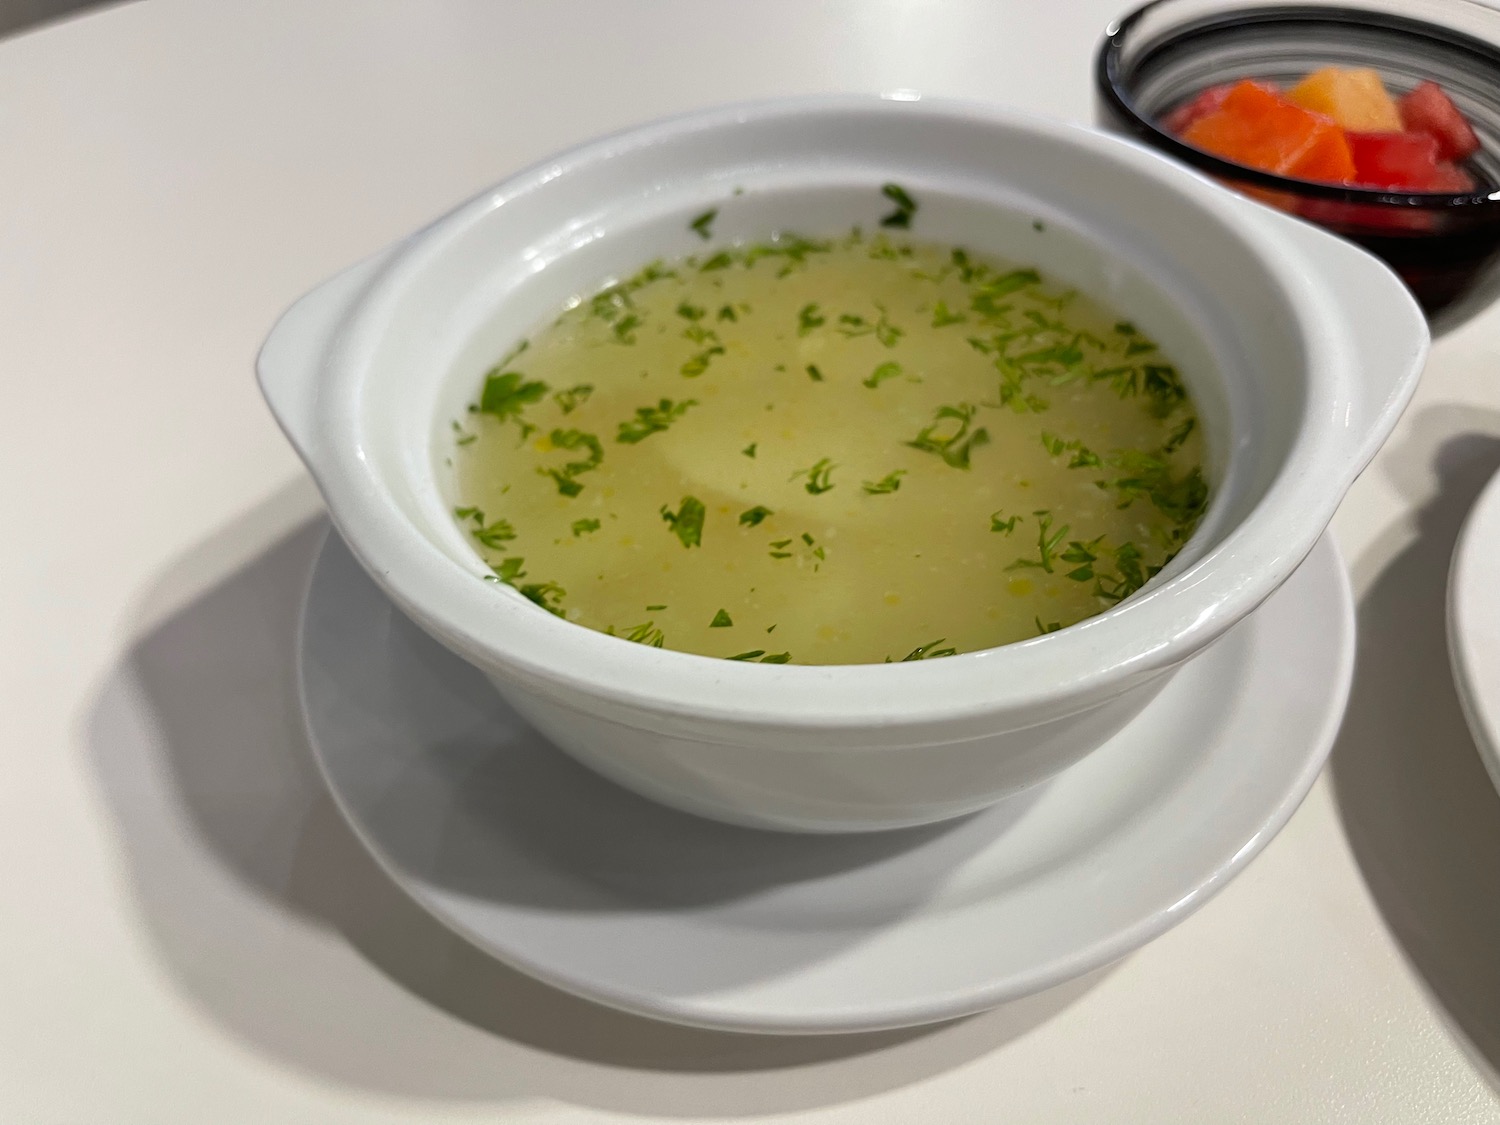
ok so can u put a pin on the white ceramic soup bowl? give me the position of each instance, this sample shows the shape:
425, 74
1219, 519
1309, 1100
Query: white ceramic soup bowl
1299, 350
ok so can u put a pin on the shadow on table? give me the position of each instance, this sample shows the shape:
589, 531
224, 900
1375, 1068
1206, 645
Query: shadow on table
1420, 812
241, 867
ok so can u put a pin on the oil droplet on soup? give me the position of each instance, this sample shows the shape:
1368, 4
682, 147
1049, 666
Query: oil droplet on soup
830, 452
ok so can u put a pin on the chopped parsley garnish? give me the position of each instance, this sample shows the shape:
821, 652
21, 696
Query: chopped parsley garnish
565, 477
929, 651
727, 312
690, 312
752, 516
881, 374
1083, 457
751, 655
1082, 556
813, 373
749, 450
583, 527
647, 633
703, 222
942, 316
885, 485
625, 327
507, 393
687, 522
1004, 526
495, 534
777, 658
574, 397
906, 207
819, 476
720, 261
548, 595
721, 620
510, 569
949, 436
809, 318
1047, 542
1178, 435
698, 364
650, 420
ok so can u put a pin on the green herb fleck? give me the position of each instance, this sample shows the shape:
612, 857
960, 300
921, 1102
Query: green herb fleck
583, 527
564, 477
818, 476
703, 222
647, 633
690, 312
495, 534
722, 260
625, 328
1047, 542
1178, 435
749, 450
687, 522
885, 485
654, 608
929, 651
650, 420
949, 436
506, 394
808, 318
885, 371
727, 312
906, 207
942, 316
548, 595
510, 569
1004, 526
751, 655
752, 516
698, 364
574, 397
721, 620
813, 373
777, 658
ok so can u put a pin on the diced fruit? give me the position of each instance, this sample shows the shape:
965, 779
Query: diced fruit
1255, 125
1394, 160
1356, 99
1201, 106
1405, 162
1427, 109
1451, 178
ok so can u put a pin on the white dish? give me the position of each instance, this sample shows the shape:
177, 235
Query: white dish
1300, 350
598, 892
1474, 624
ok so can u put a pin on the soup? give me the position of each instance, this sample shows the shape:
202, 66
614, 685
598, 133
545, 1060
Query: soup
834, 451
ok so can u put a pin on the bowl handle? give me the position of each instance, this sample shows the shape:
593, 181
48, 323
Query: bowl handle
1379, 326
290, 362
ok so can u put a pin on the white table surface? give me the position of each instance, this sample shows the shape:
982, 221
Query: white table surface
188, 932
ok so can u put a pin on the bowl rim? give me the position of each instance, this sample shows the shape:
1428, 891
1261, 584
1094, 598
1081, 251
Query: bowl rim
1061, 671
1111, 87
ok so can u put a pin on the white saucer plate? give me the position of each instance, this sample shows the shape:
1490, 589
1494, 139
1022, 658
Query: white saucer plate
1474, 623
604, 894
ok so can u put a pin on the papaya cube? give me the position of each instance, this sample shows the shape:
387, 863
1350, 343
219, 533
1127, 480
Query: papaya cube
1356, 99
1258, 127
